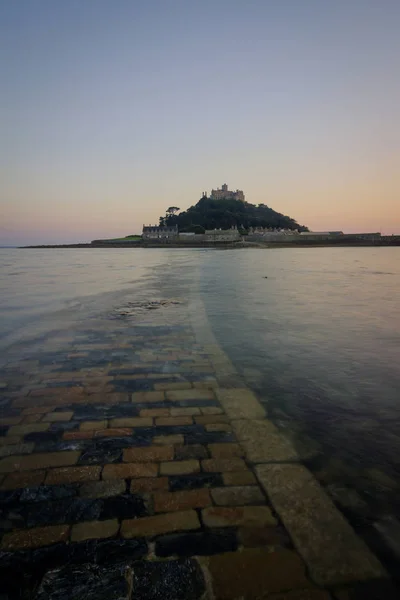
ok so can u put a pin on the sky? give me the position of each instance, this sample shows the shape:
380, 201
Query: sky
113, 110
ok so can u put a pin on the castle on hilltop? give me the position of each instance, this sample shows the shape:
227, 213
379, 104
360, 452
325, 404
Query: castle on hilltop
218, 194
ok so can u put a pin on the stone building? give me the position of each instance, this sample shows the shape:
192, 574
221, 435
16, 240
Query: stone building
218, 194
152, 232
222, 235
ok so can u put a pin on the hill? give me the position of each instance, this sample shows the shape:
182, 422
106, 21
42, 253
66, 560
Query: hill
225, 213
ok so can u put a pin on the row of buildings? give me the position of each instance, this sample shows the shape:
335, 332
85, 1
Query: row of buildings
152, 232
255, 234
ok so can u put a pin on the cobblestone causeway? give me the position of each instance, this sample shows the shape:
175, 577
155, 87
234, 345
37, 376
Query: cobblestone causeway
134, 463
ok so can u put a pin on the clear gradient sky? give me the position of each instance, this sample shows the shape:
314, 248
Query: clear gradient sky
112, 110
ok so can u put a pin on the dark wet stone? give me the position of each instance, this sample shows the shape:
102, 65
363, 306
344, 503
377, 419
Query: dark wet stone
187, 430
167, 368
205, 376
382, 589
14, 561
197, 544
63, 384
162, 404
160, 330
139, 385
89, 582
197, 480
9, 498
49, 557
197, 403
119, 551
71, 445
104, 411
15, 575
155, 368
64, 426
168, 580
61, 445
258, 536
63, 511
48, 493
11, 519
191, 451
98, 456
109, 450
126, 506
107, 552
219, 437
42, 437
5, 403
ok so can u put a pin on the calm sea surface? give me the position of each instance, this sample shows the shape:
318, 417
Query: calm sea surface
316, 332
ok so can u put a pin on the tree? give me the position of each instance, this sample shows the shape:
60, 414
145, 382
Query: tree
226, 213
172, 210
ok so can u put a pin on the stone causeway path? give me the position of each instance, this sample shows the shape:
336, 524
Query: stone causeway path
135, 464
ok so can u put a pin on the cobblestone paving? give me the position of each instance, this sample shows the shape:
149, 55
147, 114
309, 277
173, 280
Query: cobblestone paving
135, 464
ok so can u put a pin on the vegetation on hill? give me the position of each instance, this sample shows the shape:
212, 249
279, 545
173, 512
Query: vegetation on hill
225, 213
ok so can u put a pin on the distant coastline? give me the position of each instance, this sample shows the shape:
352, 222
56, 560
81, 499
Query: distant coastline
345, 240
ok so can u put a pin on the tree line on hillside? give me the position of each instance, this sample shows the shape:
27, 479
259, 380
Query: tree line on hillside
226, 213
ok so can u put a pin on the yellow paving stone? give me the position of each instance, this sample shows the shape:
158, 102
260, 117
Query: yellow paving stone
131, 422
33, 410
144, 397
23, 539
238, 495
184, 411
113, 432
231, 516
180, 467
159, 524
334, 554
179, 385
72, 475
239, 478
211, 419
23, 479
131, 377
7, 421
29, 428
129, 470
225, 450
93, 425
263, 442
190, 394
32, 419
94, 530
54, 417
211, 410
67, 392
183, 500
149, 484
169, 439
240, 403
148, 454
221, 465
205, 385
213, 427
173, 421
154, 412
38, 461
256, 573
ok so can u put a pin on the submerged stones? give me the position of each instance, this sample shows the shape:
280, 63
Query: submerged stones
85, 581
